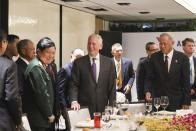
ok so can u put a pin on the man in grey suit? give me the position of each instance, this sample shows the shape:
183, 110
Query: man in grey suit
93, 79
10, 101
168, 75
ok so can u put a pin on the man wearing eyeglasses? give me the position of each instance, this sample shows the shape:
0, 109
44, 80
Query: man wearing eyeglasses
142, 68
168, 75
124, 71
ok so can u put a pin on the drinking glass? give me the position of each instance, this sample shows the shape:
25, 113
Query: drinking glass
148, 107
164, 102
109, 110
124, 107
97, 119
157, 102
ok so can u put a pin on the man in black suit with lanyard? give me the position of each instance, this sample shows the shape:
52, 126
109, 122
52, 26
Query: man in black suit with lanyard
168, 75
189, 47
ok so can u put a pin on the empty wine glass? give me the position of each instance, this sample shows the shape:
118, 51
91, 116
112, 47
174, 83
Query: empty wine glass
148, 107
109, 110
157, 102
164, 102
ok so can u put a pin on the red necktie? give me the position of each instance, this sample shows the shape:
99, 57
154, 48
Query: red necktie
166, 63
52, 73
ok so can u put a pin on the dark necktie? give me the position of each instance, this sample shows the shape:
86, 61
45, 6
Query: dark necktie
166, 63
51, 72
94, 68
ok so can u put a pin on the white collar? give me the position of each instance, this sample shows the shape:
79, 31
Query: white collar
26, 61
97, 57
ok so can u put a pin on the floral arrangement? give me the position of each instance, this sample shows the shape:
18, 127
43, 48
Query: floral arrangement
185, 123
175, 123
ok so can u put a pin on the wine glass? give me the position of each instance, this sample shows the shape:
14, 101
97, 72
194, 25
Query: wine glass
157, 102
109, 110
124, 107
148, 107
164, 102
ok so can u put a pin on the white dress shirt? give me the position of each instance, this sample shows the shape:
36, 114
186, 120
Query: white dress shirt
193, 68
170, 55
97, 62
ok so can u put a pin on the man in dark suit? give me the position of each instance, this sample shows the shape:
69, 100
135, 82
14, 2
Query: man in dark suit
93, 79
142, 69
10, 101
189, 47
26, 50
124, 71
168, 75
64, 77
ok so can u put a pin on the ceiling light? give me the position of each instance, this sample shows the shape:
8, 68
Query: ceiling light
144, 12
188, 4
123, 4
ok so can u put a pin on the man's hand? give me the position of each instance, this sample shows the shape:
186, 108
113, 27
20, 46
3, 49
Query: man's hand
75, 105
185, 107
192, 91
127, 89
51, 118
19, 126
148, 96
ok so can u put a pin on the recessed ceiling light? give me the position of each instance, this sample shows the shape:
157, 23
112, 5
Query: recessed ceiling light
123, 4
144, 12
71, 0
95, 9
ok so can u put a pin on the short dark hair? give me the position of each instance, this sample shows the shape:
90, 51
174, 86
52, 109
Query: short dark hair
22, 44
45, 43
3, 35
11, 38
148, 45
187, 40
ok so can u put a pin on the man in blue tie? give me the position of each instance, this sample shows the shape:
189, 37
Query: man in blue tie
93, 79
189, 47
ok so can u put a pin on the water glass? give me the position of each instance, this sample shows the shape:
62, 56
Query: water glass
148, 107
157, 102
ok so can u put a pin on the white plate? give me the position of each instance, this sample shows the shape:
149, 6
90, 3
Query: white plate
114, 117
165, 113
83, 124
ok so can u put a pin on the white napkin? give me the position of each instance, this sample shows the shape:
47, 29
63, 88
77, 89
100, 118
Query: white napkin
120, 97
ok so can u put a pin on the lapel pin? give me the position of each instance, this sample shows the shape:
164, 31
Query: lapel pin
176, 61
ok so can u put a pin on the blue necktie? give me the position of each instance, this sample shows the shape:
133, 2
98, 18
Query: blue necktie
94, 68
191, 78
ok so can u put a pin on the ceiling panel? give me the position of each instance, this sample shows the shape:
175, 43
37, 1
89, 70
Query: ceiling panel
168, 9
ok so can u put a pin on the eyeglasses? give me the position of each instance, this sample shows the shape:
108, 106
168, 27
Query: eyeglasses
154, 50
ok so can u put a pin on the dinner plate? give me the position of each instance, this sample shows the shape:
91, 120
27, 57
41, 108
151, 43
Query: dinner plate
90, 124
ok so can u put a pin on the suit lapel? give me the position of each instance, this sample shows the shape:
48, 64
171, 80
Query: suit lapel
162, 64
100, 69
173, 62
